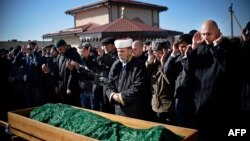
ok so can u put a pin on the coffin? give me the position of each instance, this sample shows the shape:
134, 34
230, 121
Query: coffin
21, 125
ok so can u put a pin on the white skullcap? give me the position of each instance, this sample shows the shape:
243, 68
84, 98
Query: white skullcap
123, 43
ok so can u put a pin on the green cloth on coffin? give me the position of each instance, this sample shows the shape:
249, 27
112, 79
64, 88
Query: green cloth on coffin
96, 126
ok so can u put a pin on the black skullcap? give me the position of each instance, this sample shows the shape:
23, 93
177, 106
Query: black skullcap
60, 43
185, 38
85, 44
108, 40
11, 48
159, 45
16, 50
54, 49
48, 46
147, 42
192, 32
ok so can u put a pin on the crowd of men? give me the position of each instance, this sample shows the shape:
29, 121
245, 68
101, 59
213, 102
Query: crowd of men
201, 81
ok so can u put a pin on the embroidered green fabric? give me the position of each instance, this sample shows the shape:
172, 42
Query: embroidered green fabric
96, 126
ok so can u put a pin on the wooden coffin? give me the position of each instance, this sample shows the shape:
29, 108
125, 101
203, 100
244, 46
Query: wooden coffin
23, 126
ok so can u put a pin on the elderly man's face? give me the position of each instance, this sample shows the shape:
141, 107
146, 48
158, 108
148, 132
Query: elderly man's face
124, 54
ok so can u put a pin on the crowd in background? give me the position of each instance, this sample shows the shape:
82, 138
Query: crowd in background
201, 81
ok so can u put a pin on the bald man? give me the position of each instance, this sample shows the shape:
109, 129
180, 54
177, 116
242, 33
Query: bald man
214, 67
137, 48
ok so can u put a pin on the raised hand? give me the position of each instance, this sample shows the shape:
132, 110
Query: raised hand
175, 49
100, 51
45, 68
245, 34
151, 56
197, 40
186, 51
69, 65
218, 40
164, 56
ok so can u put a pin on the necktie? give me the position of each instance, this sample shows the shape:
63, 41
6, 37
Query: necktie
124, 68
122, 77
123, 72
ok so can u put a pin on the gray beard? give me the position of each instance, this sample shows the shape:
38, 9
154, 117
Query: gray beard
123, 60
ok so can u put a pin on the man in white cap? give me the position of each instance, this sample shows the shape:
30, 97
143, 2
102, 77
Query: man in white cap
126, 81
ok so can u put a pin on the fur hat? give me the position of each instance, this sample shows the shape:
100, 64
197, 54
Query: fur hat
123, 43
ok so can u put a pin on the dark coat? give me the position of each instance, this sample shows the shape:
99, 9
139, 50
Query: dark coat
105, 62
68, 79
31, 68
87, 77
177, 69
161, 89
131, 87
215, 71
246, 76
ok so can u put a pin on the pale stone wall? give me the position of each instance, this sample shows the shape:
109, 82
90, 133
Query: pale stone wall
143, 14
115, 12
97, 15
156, 19
100, 15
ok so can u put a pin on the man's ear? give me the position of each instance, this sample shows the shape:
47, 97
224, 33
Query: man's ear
219, 33
130, 50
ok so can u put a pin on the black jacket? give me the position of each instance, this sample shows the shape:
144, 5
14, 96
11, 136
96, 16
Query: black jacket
68, 79
131, 87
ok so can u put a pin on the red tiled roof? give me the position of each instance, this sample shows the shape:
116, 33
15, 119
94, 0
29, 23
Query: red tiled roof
118, 27
116, 2
74, 30
124, 25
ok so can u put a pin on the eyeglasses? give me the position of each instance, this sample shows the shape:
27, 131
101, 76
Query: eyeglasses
30, 49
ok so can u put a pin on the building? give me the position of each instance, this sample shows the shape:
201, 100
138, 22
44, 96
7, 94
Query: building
104, 18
